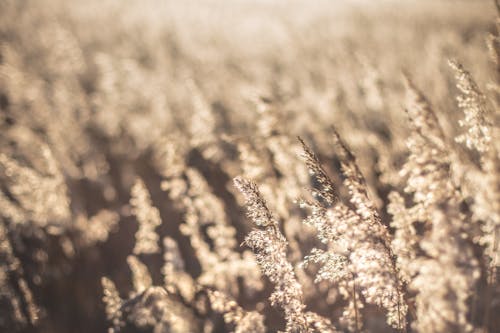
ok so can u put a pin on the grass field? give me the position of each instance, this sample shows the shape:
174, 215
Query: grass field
249, 166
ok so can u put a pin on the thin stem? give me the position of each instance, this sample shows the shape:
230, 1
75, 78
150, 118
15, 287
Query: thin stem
491, 280
355, 305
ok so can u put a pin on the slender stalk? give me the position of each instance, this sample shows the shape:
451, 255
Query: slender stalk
355, 305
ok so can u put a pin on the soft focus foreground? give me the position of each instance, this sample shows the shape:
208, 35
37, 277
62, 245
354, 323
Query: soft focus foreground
249, 166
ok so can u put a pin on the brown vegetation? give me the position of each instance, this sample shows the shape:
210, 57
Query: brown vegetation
362, 141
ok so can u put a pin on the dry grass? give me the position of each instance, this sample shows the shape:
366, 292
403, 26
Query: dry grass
132, 136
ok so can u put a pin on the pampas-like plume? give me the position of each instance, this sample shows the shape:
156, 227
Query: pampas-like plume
148, 218
175, 279
359, 258
243, 321
140, 275
327, 189
14, 289
40, 198
473, 103
270, 247
113, 304
444, 254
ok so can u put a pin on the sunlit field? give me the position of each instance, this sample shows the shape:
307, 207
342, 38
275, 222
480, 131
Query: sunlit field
249, 166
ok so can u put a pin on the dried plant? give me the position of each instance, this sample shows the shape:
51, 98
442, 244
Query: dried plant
270, 248
234, 314
133, 136
443, 253
359, 258
473, 103
14, 290
148, 218
113, 304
